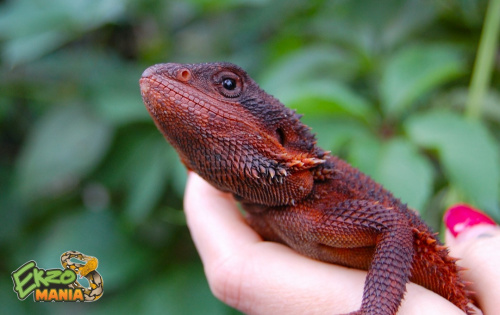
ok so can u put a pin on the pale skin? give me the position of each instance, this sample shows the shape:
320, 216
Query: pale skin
259, 277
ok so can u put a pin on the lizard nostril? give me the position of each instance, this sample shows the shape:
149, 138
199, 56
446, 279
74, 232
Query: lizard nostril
184, 75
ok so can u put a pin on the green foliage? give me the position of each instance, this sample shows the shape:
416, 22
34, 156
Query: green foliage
84, 168
415, 71
468, 154
52, 161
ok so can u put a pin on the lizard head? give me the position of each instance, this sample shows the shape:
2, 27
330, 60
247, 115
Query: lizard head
231, 132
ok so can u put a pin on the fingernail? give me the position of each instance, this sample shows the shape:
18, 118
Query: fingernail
461, 217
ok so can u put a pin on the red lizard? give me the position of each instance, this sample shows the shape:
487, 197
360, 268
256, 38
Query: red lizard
244, 141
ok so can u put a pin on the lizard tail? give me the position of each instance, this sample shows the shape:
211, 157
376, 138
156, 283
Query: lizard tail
434, 269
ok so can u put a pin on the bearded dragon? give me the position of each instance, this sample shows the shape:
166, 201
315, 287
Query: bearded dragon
244, 141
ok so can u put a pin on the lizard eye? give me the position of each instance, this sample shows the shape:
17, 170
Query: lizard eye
229, 84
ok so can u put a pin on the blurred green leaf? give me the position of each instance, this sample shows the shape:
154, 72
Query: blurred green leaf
457, 97
465, 12
305, 80
221, 4
116, 93
33, 28
107, 84
148, 178
490, 108
307, 64
397, 165
14, 213
335, 133
406, 173
326, 97
369, 30
414, 71
61, 149
469, 155
121, 105
364, 153
168, 292
9, 302
411, 16
180, 174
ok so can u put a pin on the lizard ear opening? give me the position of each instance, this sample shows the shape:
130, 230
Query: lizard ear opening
281, 136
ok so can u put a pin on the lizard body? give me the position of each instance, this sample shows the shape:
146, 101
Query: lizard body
244, 141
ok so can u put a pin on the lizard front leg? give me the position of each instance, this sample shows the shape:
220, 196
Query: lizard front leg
389, 272
358, 234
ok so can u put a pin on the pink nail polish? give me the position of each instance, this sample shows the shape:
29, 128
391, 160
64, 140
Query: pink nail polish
460, 217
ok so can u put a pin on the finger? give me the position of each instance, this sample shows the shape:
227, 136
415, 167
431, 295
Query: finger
475, 239
481, 257
216, 225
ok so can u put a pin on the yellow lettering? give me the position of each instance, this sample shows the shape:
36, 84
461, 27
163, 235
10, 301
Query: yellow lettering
63, 294
41, 295
52, 295
78, 295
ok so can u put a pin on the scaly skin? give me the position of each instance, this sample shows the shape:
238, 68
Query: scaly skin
244, 141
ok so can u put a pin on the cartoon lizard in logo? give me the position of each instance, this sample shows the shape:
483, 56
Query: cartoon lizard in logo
87, 270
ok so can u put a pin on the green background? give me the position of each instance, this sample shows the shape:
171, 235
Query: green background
384, 84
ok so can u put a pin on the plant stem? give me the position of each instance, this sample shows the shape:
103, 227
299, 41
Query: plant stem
483, 66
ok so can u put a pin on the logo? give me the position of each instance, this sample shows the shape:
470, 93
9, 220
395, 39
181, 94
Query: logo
59, 285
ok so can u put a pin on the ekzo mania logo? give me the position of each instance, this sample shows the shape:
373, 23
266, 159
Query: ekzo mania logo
59, 285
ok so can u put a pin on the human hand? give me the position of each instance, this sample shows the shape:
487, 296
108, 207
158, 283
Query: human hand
259, 277
475, 238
